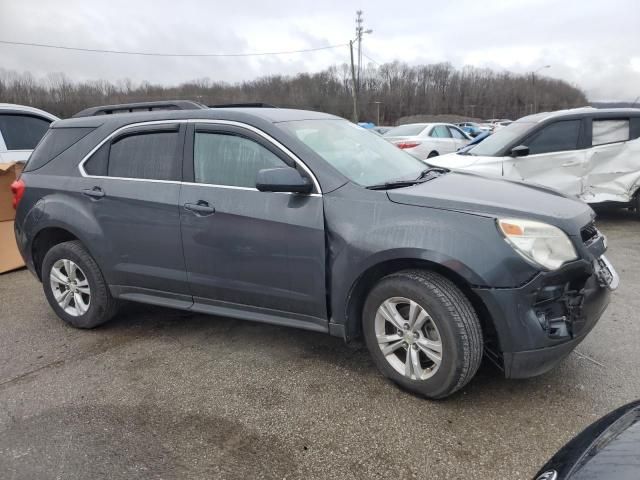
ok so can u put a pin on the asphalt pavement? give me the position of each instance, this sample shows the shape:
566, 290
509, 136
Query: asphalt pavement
160, 394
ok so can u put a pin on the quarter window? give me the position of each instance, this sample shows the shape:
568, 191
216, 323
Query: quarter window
232, 160
557, 137
22, 132
609, 131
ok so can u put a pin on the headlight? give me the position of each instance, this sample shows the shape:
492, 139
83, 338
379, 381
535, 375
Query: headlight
538, 242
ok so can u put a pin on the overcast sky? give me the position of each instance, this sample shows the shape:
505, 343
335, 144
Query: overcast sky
594, 44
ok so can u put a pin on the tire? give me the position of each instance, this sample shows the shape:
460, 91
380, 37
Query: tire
432, 154
89, 302
451, 319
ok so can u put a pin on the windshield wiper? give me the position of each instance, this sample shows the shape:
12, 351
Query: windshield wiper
426, 175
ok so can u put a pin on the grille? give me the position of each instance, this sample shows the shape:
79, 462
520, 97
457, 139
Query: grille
589, 232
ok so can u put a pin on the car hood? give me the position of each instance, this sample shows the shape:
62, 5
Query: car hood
456, 160
491, 196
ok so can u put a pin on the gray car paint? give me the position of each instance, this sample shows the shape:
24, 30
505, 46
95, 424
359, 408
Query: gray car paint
286, 258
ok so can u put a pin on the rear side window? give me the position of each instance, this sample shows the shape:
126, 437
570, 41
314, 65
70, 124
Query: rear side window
557, 137
223, 159
440, 131
145, 155
609, 131
634, 128
54, 142
22, 132
457, 133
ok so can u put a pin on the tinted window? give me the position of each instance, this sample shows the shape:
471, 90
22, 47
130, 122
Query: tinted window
22, 132
152, 156
557, 137
609, 131
225, 159
440, 131
54, 142
634, 128
457, 133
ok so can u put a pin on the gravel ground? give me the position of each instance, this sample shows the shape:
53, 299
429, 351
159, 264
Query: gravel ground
160, 394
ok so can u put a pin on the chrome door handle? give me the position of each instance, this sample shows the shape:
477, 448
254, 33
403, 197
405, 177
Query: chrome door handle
571, 164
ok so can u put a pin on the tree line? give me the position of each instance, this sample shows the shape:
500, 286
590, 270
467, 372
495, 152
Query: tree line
392, 91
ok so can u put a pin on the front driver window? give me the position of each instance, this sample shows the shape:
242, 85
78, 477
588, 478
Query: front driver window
557, 137
227, 159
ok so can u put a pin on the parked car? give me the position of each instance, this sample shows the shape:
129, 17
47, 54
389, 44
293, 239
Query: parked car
607, 449
21, 128
306, 220
471, 128
427, 140
588, 153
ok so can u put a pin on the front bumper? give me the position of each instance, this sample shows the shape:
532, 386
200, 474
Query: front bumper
538, 324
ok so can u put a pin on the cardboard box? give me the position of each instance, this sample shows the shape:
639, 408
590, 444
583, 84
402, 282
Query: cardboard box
8, 173
10, 257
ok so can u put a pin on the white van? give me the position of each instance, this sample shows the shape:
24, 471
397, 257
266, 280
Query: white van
591, 153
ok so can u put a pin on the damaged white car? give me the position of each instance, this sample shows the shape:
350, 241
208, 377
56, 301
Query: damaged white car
591, 153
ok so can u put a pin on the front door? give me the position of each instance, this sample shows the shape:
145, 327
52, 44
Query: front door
554, 158
246, 248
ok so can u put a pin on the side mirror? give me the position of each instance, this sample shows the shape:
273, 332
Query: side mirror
520, 151
282, 179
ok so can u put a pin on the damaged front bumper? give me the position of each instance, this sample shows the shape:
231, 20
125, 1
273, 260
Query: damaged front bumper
540, 323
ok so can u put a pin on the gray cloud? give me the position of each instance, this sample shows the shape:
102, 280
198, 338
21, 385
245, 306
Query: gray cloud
594, 45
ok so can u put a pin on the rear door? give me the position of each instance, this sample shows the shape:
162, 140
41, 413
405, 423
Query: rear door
555, 158
244, 248
441, 139
613, 161
132, 185
459, 137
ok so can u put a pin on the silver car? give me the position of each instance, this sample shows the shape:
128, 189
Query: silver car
593, 154
427, 140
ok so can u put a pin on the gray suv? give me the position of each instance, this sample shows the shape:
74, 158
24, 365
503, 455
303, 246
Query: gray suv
304, 219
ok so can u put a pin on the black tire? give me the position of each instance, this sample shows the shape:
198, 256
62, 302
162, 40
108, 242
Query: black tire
102, 306
433, 154
453, 315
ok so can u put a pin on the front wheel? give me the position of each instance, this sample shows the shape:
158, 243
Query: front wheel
423, 333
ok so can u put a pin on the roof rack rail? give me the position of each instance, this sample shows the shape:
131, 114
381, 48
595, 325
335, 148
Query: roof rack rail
140, 107
243, 105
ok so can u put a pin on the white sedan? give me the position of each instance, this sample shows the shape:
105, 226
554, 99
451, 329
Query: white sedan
21, 128
427, 140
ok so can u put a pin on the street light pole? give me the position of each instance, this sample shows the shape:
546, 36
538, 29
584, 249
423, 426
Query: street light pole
533, 83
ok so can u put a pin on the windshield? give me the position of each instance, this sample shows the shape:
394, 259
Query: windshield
363, 157
406, 130
495, 143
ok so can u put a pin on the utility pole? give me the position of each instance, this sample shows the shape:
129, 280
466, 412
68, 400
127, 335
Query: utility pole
377, 103
355, 88
355, 73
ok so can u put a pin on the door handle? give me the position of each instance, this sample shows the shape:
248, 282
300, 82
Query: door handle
95, 192
200, 208
571, 164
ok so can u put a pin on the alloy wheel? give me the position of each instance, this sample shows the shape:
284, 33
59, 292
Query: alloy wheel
70, 287
408, 338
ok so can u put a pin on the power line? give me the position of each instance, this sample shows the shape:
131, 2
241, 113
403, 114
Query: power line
156, 54
368, 57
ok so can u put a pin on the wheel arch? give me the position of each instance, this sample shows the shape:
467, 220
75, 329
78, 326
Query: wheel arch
372, 275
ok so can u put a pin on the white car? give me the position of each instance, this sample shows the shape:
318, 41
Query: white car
589, 153
21, 128
427, 140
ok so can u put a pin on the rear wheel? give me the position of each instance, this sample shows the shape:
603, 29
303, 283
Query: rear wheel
75, 287
423, 333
